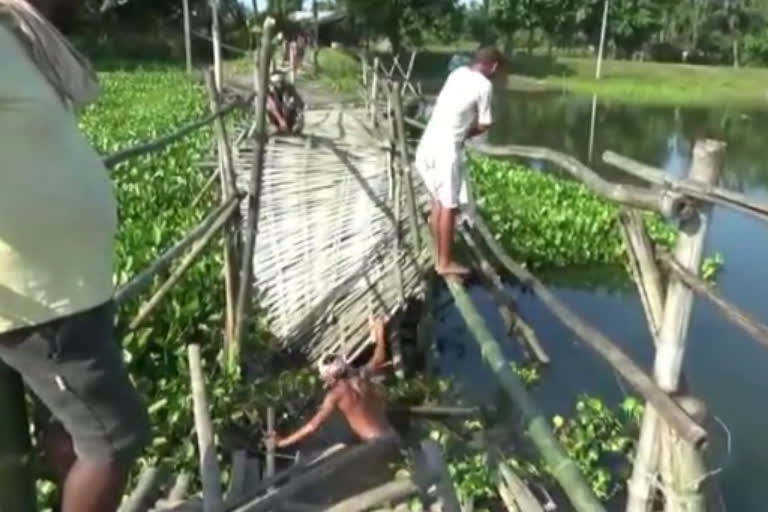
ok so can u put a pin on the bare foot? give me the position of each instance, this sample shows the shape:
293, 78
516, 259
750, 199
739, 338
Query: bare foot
452, 270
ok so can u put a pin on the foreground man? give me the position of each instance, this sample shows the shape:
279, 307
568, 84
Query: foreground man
57, 224
351, 390
462, 110
284, 105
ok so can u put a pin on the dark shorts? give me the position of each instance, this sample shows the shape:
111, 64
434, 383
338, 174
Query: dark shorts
75, 367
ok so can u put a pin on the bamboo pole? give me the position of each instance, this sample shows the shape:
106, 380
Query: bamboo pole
437, 411
166, 140
227, 174
237, 478
448, 501
216, 35
197, 248
704, 192
374, 91
254, 188
603, 27
179, 489
146, 491
17, 484
757, 330
270, 442
210, 474
533, 421
144, 279
705, 167
669, 204
601, 344
390, 492
523, 496
405, 161
187, 35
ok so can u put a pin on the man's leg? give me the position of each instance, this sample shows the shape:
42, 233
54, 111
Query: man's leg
445, 228
75, 368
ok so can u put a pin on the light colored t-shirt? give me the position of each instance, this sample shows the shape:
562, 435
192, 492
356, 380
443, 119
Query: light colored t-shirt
464, 100
57, 210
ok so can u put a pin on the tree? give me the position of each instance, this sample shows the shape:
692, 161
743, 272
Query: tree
507, 19
400, 21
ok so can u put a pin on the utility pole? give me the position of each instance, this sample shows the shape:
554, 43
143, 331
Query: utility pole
602, 40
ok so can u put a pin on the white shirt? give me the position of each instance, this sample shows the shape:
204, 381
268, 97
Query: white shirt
464, 100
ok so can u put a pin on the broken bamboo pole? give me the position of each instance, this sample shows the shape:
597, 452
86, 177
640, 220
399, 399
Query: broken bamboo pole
141, 281
210, 473
405, 161
197, 248
667, 203
180, 488
710, 193
254, 187
757, 330
705, 167
227, 176
600, 343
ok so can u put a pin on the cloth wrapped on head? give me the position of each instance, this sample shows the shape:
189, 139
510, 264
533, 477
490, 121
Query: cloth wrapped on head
332, 365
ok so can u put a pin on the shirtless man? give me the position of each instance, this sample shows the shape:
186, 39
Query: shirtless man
462, 110
351, 390
284, 105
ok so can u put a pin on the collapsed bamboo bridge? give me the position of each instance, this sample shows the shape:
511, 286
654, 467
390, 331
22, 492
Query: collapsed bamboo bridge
324, 229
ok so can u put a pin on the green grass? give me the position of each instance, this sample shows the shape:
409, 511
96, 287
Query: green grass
340, 70
630, 81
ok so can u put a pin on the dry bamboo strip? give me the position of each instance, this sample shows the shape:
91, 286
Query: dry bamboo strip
208, 184
601, 344
254, 189
210, 474
522, 494
708, 193
197, 248
507, 305
143, 279
162, 142
757, 330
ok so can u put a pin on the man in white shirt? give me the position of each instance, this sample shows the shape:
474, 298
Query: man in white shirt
462, 110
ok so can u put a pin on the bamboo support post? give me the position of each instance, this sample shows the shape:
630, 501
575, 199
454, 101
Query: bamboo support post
197, 248
534, 423
669, 204
601, 344
187, 35
144, 279
695, 189
407, 76
516, 326
146, 491
757, 330
210, 473
705, 167
437, 411
216, 36
374, 92
254, 188
270, 444
166, 140
180, 488
405, 162
391, 492
349, 456
17, 484
519, 492
448, 501
238, 475
227, 175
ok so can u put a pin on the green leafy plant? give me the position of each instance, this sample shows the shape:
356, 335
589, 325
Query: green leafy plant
547, 221
711, 267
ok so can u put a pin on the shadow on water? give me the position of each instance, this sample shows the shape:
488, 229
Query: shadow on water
724, 366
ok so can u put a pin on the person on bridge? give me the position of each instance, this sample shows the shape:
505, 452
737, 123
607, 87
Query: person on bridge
285, 108
462, 110
58, 220
352, 391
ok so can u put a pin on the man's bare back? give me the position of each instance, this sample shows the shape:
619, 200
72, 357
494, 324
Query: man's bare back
352, 392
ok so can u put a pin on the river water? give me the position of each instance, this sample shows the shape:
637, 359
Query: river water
725, 367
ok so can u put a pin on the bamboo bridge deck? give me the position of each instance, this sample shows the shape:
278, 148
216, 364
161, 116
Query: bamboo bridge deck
327, 254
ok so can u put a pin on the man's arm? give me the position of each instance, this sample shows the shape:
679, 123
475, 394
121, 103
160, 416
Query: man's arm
274, 108
379, 357
484, 117
329, 404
